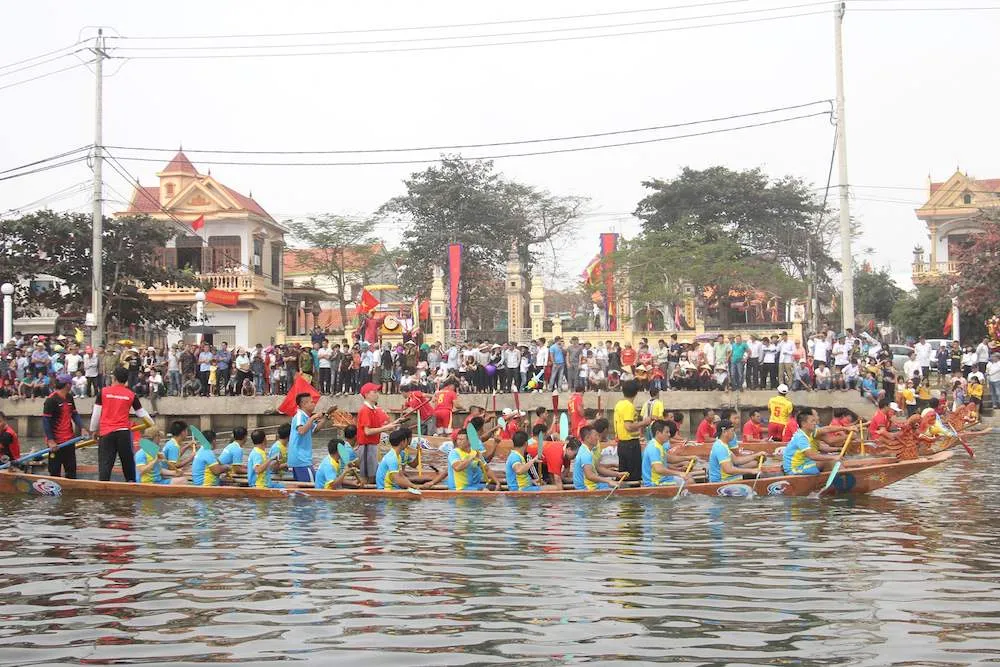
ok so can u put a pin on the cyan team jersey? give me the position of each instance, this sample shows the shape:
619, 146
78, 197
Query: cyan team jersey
255, 480
200, 474
387, 469
654, 452
278, 451
171, 451
300, 447
471, 478
518, 481
153, 475
795, 461
328, 471
584, 458
232, 454
720, 454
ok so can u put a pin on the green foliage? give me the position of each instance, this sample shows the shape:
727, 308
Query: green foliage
468, 202
876, 292
59, 245
922, 312
979, 270
764, 219
344, 249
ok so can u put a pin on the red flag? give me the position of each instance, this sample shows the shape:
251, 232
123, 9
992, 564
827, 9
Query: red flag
368, 303
198, 223
425, 310
222, 297
948, 321
300, 386
592, 273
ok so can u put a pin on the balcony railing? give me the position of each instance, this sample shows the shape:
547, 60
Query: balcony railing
929, 270
231, 282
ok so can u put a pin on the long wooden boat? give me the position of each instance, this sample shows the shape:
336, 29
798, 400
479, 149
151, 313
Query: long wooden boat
857, 480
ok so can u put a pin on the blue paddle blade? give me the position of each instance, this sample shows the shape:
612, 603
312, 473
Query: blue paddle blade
474, 440
833, 475
501, 422
563, 426
199, 437
149, 447
346, 453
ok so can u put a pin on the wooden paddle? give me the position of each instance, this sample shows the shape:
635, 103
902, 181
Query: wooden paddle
684, 480
760, 467
836, 466
620, 482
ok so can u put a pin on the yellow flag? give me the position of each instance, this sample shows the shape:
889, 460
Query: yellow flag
78, 334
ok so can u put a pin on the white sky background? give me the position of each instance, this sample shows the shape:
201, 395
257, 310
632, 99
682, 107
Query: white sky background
919, 94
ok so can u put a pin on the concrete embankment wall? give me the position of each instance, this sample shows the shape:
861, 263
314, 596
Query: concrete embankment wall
225, 413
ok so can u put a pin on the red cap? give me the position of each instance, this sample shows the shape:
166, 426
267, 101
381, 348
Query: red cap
367, 387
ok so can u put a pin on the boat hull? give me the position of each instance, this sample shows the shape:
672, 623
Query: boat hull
855, 480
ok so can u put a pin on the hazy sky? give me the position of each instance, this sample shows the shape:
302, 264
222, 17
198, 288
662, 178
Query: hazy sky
918, 93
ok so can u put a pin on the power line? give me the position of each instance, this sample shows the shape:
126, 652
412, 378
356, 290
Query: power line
44, 160
62, 193
500, 156
41, 55
435, 38
47, 74
45, 168
489, 144
439, 27
466, 46
40, 63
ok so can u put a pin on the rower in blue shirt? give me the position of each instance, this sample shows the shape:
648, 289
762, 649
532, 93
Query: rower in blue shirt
800, 457
656, 455
518, 468
259, 466
232, 454
723, 464
332, 470
390, 475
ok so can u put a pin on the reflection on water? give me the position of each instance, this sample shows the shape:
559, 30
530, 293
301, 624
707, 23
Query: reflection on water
905, 576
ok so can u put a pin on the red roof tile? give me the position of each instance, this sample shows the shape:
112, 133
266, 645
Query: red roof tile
305, 261
987, 185
180, 164
145, 200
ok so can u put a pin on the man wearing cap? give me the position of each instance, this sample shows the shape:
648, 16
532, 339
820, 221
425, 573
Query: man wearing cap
372, 423
60, 422
780, 409
417, 401
881, 423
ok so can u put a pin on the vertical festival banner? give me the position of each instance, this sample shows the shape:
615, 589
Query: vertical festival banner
454, 281
609, 244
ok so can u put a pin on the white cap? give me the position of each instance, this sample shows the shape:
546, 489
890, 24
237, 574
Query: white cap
926, 411
895, 407
782, 389
507, 411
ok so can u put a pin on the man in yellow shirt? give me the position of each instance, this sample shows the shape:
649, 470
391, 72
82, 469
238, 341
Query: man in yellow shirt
628, 428
781, 409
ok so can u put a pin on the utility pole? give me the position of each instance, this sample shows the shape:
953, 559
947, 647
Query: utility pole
846, 261
97, 252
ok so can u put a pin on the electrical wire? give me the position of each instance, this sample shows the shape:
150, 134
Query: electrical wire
45, 168
554, 151
68, 191
489, 144
40, 56
436, 38
47, 74
40, 63
44, 160
463, 46
439, 27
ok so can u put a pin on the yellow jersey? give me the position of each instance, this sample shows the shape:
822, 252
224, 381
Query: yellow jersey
625, 412
780, 409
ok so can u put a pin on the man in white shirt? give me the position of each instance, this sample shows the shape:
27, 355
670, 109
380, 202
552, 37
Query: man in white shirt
755, 355
923, 351
786, 360
769, 363
911, 367
983, 354
993, 377
512, 365
541, 360
73, 361
820, 350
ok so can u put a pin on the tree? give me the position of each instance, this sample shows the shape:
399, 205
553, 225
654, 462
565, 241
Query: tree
922, 312
59, 245
875, 292
773, 221
468, 202
343, 252
978, 266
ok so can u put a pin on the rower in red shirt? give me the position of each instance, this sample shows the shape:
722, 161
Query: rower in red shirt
706, 429
110, 420
60, 421
753, 430
420, 402
445, 404
791, 427
576, 416
372, 423
513, 425
14, 448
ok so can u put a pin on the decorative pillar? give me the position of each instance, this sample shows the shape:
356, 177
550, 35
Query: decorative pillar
556, 326
8, 313
515, 297
955, 332
934, 245
438, 305
537, 306
199, 312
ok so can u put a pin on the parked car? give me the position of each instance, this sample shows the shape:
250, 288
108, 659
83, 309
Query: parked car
900, 353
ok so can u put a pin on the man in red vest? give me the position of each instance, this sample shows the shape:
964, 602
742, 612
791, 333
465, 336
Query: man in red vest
110, 420
60, 420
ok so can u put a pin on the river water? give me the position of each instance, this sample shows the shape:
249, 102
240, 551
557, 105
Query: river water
910, 575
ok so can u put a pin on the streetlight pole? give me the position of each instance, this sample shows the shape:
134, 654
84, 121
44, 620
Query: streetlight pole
8, 312
97, 251
846, 260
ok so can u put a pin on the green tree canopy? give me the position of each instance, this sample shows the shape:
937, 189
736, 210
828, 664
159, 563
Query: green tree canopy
468, 202
875, 292
59, 245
